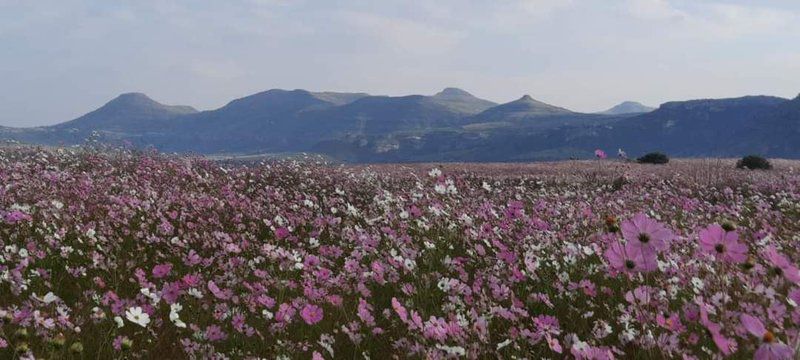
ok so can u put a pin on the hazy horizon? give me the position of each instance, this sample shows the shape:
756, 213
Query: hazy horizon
62, 59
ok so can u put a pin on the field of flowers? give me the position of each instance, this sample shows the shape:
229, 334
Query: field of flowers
121, 254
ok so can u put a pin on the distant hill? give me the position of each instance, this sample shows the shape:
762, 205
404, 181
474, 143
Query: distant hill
461, 101
451, 125
707, 127
127, 112
265, 121
627, 107
522, 108
775, 133
338, 98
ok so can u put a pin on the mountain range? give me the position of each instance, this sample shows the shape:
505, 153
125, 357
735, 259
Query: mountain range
452, 125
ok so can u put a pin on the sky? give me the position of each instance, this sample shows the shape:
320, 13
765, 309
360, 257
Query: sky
60, 59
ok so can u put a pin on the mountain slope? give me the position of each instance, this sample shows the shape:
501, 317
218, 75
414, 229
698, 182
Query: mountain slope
260, 122
775, 134
125, 113
705, 127
338, 98
522, 108
130, 116
461, 101
383, 114
362, 128
628, 107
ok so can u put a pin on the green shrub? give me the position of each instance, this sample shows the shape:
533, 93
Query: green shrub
654, 158
753, 162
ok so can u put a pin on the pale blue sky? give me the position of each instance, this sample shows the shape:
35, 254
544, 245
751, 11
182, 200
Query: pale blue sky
62, 58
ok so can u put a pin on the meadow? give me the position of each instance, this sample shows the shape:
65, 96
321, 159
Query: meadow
127, 254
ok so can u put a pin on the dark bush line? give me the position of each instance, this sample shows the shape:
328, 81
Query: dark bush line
653, 158
753, 162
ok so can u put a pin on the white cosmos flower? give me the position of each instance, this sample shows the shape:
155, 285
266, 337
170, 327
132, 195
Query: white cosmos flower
267, 314
137, 316
435, 172
194, 292
503, 344
174, 309
486, 186
119, 322
49, 298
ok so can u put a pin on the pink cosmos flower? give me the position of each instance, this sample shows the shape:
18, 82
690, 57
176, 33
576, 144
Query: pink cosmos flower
724, 245
311, 314
400, 310
646, 234
553, 343
281, 233
16, 216
365, 312
600, 154
630, 258
770, 348
218, 293
783, 266
117, 344
724, 344
162, 270
215, 333
171, 292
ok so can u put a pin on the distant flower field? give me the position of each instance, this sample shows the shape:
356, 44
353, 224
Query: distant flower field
120, 254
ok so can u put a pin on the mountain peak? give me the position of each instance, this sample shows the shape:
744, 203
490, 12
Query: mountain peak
524, 107
453, 92
136, 101
461, 101
132, 98
628, 107
131, 111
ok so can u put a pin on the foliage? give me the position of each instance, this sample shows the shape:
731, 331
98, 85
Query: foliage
753, 162
109, 254
654, 158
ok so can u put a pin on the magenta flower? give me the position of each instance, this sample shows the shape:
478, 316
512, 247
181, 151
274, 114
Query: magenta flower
282, 233
770, 347
724, 245
16, 216
162, 270
311, 314
723, 344
646, 234
400, 310
600, 154
629, 258
215, 333
782, 265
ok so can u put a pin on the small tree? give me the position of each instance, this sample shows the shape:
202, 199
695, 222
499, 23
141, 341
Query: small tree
753, 162
654, 158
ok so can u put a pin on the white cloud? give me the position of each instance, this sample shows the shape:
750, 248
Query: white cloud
519, 14
224, 69
401, 35
714, 20
654, 10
